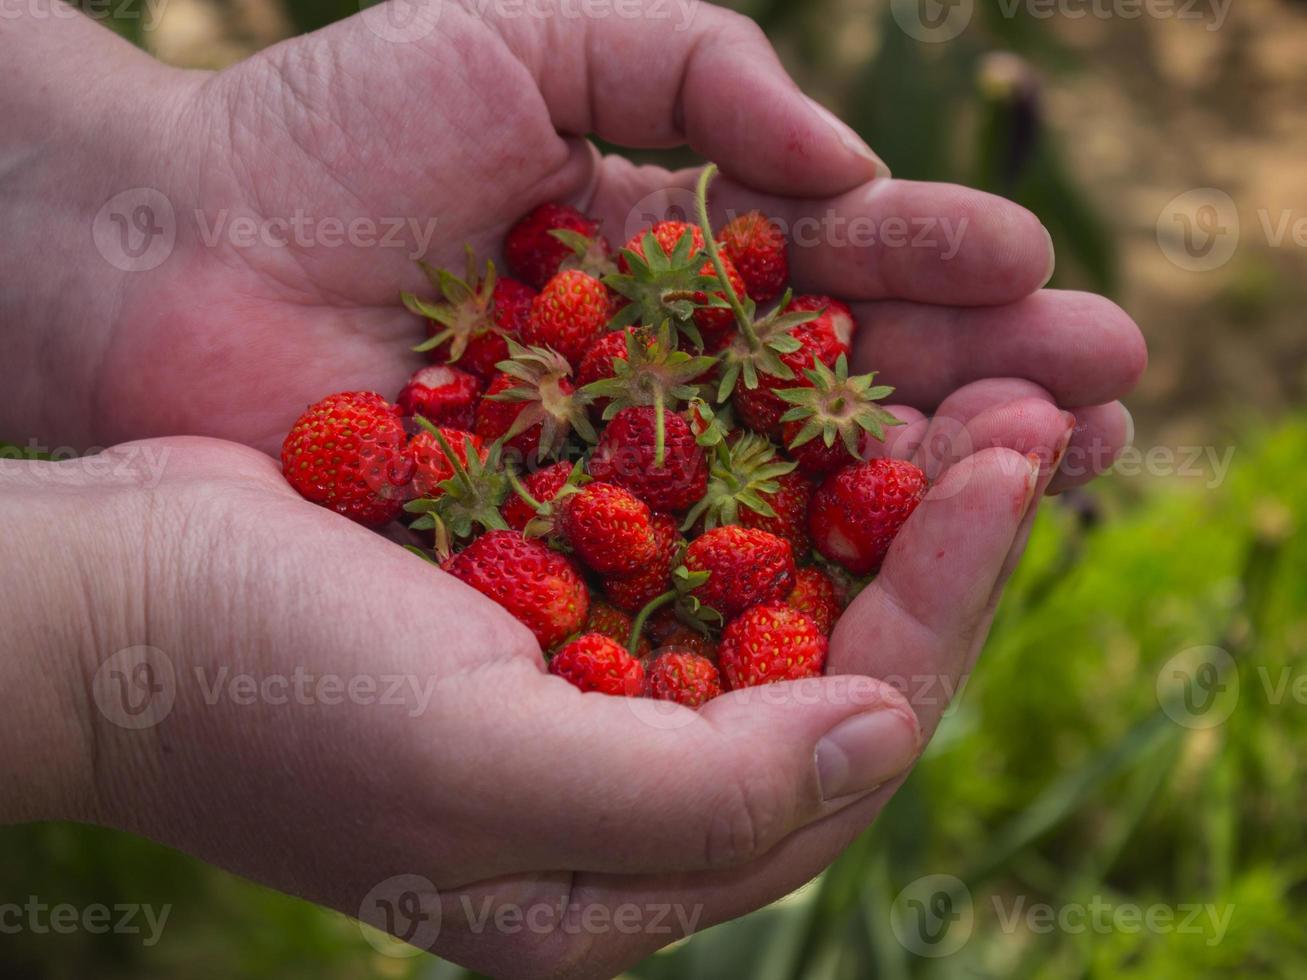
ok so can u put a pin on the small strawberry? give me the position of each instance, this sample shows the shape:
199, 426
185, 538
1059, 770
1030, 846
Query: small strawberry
613, 623
789, 520
684, 677
532, 405
349, 452
761, 407
745, 568
756, 246
443, 395
815, 593
431, 464
597, 365
537, 585
666, 632
594, 662
627, 455
771, 643
569, 315
543, 486
830, 422
554, 237
633, 592
857, 512
608, 527
471, 322
835, 317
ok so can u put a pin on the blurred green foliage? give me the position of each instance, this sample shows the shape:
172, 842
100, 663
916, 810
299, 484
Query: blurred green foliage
1059, 779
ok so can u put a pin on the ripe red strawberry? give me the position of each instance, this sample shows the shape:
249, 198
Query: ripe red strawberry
633, 592
538, 400
667, 234
431, 466
609, 528
473, 319
349, 452
790, 502
756, 245
536, 256
537, 585
443, 395
683, 677
625, 456
594, 662
837, 318
815, 594
857, 512
761, 408
543, 485
597, 364
769, 644
833, 420
814, 457
666, 632
569, 315
745, 568
614, 624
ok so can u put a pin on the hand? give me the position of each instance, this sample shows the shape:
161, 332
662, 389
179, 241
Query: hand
471, 123
332, 712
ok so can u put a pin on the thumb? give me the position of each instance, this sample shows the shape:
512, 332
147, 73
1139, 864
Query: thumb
630, 784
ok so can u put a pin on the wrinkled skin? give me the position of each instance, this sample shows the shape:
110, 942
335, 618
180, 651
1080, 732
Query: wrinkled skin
509, 785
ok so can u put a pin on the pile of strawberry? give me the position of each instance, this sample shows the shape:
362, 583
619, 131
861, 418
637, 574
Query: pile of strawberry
666, 485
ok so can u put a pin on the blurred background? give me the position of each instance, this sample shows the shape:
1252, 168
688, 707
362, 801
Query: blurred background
1118, 793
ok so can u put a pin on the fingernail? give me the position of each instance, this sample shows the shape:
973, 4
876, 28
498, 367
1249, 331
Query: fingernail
866, 751
1052, 260
1129, 428
1032, 481
849, 138
1060, 454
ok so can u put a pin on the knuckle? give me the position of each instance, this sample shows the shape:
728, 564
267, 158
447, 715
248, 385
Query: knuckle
752, 816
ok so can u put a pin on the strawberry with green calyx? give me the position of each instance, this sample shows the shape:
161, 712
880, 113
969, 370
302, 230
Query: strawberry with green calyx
690, 609
473, 318
432, 462
760, 343
745, 567
665, 286
825, 427
470, 500
532, 405
554, 237
741, 476
653, 373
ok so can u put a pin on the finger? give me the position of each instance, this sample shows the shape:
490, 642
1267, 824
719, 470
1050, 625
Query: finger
901, 441
696, 74
1102, 432
895, 239
1081, 348
632, 784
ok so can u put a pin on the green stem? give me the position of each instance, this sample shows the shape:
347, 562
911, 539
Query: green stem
522, 491
660, 430
637, 627
741, 315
